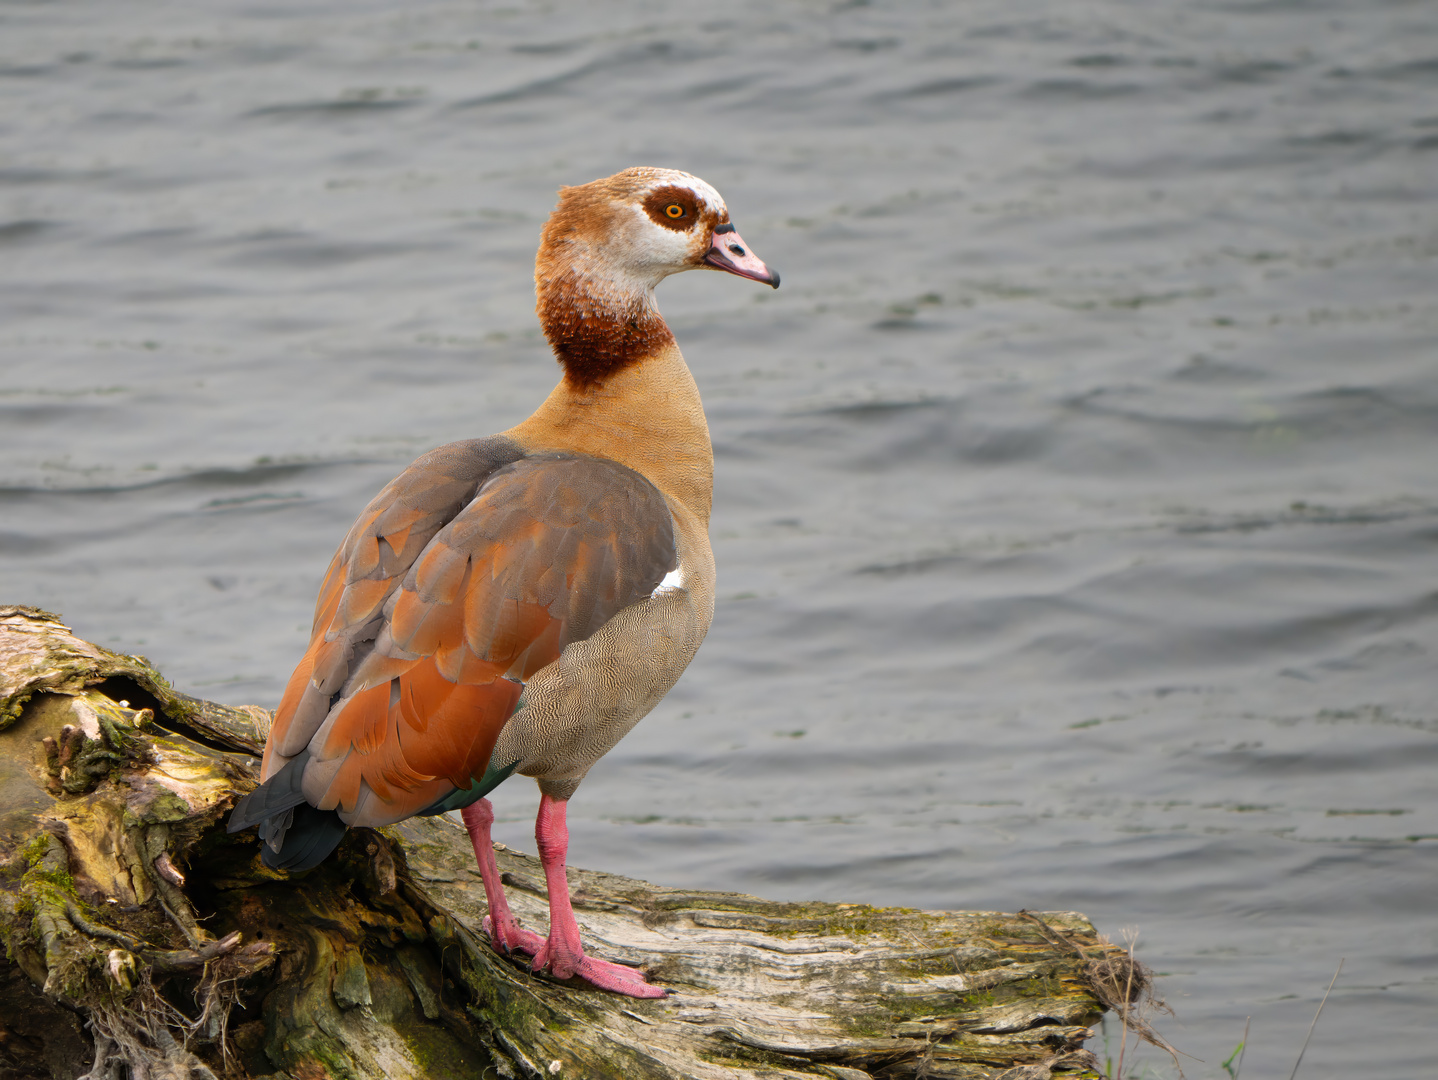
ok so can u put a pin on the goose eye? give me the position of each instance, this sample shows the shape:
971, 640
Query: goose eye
674, 210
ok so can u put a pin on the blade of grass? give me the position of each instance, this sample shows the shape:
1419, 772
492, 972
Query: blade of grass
1228, 1066
1313, 1025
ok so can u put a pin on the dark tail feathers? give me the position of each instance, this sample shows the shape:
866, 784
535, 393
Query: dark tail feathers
296, 835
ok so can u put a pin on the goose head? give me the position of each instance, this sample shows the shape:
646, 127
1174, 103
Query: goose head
631, 230
608, 244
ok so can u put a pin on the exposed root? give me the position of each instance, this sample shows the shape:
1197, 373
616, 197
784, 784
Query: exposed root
85, 926
168, 870
174, 902
219, 989
45, 884
105, 1059
222, 966
140, 1034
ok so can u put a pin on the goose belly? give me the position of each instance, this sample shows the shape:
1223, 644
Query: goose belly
576, 710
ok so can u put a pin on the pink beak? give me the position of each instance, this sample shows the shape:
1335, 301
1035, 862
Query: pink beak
730, 253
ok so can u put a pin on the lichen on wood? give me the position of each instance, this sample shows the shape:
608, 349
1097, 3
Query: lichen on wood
143, 940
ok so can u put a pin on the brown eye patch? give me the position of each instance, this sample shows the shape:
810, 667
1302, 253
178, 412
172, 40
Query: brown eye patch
673, 207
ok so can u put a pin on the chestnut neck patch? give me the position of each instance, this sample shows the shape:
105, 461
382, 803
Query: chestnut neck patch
593, 336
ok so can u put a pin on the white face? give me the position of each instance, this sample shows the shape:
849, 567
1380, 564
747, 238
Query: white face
666, 228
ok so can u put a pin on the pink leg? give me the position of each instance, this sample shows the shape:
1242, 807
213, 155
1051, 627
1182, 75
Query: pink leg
562, 953
504, 931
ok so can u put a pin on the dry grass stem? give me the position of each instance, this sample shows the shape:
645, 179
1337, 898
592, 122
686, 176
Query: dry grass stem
1313, 1025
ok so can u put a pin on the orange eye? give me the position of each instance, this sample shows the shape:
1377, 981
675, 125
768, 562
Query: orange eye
674, 210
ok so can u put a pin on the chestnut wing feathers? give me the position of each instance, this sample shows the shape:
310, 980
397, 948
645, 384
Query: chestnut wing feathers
388, 536
433, 614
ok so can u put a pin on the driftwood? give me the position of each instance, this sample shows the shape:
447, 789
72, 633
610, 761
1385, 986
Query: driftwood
144, 941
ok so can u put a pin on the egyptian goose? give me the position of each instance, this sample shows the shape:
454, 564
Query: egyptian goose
516, 604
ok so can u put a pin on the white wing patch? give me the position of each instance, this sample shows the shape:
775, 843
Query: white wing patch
673, 582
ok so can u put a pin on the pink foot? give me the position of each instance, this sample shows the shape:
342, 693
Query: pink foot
514, 939
505, 933
563, 953
600, 974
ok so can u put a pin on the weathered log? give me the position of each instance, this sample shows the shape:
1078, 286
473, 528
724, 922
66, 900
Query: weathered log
143, 940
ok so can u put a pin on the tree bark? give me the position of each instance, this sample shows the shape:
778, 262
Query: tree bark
144, 941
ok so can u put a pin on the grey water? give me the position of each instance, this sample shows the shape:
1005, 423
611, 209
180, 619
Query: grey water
1077, 495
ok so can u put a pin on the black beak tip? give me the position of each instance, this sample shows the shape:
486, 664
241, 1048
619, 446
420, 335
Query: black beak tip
774, 278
